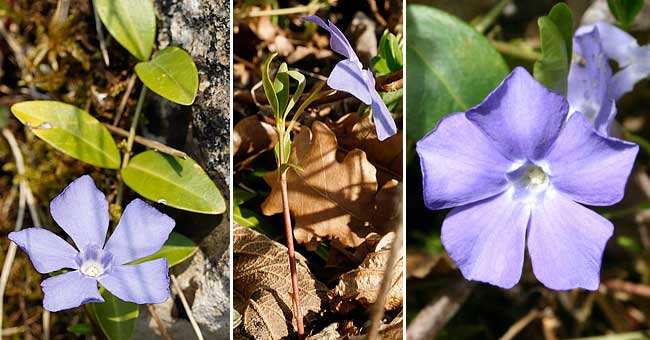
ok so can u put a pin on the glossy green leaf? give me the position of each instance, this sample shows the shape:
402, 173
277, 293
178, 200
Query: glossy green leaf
71, 130
176, 182
555, 31
131, 22
172, 74
625, 10
176, 249
450, 68
115, 317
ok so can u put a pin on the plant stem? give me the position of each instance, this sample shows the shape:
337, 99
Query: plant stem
129, 143
289, 234
491, 16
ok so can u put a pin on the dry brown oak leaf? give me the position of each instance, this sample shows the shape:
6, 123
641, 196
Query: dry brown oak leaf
359, 287
328, 199
262, 286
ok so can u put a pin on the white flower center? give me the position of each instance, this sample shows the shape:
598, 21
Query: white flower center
93, 261
529, 181
535, 178
91, 268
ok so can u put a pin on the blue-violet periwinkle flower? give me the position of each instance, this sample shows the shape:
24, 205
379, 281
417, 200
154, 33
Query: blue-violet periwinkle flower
349, 76
81, 210
589, 77
516, 173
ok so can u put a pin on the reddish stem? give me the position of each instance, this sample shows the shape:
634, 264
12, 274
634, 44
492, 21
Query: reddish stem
292, 256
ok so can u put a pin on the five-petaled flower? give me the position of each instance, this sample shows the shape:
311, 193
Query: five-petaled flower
81, 210
349, 76
514, 168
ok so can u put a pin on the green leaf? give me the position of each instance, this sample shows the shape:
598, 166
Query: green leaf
555, 31
625, 10
115, 317
176, 249
450, 67
389, 55
4, 116
281, 86
70, 130
240, 196
249, 219
176, 182
172, 74
131, 22
81, 329
563, 19
269, 89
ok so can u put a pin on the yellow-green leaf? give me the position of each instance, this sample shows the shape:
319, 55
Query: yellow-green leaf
177, 249
176, 182
172, 74
115, 317
131, 22
71, 130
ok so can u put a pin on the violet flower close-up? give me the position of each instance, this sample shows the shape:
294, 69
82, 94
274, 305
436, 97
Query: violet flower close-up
349, 76
81, 210
589, 77
516, 171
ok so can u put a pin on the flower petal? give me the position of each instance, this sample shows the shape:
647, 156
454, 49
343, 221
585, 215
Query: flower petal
617, 44
521, 116
69, 290
384, 123
338, 41
624, 80
588, 80
47, 251
142, 231
566, 243
460, 164
147, 282
82, 211
347, 76
588, 167
487, 239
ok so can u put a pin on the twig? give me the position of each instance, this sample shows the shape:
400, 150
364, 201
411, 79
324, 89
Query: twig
434, 316
147, 142
519, 326
310, 8
129, 143
187, 307
629, 287
514, 51
13, 331
100, 37
375, 12
31, 205
387, 281
491, 16
159, 323
11, 252
125, 99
